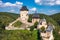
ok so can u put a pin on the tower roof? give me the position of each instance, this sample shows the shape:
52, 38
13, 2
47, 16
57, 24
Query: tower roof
49, 28
35, 16
24, 8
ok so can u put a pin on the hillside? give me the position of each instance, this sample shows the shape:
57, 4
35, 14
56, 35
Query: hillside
6, 17
56, 17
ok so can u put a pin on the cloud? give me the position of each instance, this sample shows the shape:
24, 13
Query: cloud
33, 9
58, 2
11, 7
9, 4
51, 10
38, 1
11, 11
16, 4
48, 2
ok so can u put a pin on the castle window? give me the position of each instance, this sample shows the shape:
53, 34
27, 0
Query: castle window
26, 14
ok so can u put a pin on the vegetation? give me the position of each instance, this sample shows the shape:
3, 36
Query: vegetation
17, 24
2, 26
42, 28
35, 24
18, 35
56, 17
56, 35
6, 18
32, 28
30, 18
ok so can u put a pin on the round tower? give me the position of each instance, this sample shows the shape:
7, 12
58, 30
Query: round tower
24, 14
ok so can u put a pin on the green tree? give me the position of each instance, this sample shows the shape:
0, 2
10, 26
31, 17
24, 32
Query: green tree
42, 28
35, 24
17, 24
32, 28
30, 18
2, 26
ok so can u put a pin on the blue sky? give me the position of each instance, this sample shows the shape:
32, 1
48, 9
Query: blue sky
41, 6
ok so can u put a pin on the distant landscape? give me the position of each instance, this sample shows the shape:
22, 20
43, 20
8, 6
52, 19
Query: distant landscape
6, 18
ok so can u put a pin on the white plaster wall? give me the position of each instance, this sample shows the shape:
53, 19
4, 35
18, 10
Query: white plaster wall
24, 15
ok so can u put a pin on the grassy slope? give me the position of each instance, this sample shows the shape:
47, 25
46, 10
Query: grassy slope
6, 17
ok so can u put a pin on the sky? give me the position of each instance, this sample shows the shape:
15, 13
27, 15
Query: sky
48, 7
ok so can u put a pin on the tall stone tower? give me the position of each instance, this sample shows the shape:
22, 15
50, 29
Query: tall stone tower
24, 14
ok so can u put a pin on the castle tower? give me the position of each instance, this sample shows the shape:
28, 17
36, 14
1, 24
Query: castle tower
24, 14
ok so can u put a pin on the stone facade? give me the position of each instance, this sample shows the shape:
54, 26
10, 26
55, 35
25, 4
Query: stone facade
42, 23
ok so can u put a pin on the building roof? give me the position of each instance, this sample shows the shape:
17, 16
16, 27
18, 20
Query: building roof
24, 8
42, 20
35, 15
49, 29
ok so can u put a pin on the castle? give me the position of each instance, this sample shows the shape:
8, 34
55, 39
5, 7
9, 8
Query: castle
24, 15
47, 35
24, 19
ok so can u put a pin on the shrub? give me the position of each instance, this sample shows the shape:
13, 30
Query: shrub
18, 35
17, 24
42, 28
2, 26
35, 24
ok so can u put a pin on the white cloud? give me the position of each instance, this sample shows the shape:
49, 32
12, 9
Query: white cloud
19, 3
1, 3
51, 10
38, 2
33, 9
16, 4
58, 2
12, 11
9, 4
48, 2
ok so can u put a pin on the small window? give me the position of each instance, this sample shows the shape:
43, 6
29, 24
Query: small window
26, 14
